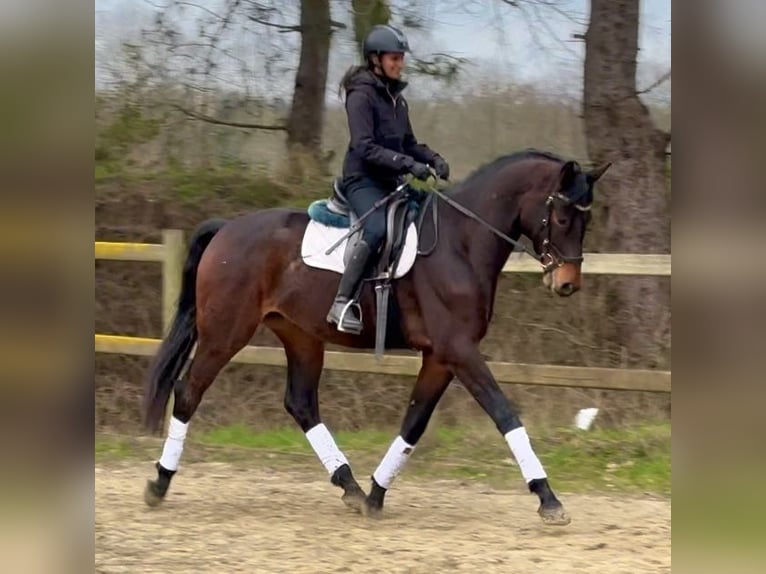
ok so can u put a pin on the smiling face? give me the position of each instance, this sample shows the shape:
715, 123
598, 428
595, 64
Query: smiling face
391, 64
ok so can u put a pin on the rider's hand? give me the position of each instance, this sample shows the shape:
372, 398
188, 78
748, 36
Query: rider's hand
441, 167
420, 170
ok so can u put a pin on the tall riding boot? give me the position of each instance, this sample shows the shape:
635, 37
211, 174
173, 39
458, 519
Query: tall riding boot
343, 312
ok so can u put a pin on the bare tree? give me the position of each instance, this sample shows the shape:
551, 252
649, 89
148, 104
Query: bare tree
632, 212
635, 194
304, 126
366, 14
209, 60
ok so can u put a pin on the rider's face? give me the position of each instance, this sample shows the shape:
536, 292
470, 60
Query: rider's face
392, 64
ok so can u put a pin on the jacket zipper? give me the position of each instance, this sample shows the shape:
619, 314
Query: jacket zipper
393, 99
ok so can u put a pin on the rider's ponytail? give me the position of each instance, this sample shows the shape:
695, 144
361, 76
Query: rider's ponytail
345, 81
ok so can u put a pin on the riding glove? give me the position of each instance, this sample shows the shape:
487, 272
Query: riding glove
419, 170
441, 167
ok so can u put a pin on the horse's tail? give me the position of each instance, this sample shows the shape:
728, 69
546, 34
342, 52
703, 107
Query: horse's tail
179, 342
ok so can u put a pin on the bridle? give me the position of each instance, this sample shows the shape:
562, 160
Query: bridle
551, 257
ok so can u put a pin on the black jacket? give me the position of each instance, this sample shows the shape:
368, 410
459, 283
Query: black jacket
382, 144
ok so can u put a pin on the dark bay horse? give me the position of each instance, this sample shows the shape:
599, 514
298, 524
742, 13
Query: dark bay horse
248, 271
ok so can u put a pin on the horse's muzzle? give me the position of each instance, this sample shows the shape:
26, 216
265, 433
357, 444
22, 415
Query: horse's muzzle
563, 280
566, 289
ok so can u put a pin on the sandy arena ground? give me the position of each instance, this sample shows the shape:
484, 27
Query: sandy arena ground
222, 517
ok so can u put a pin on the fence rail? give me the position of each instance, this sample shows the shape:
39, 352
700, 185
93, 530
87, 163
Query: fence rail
171, 253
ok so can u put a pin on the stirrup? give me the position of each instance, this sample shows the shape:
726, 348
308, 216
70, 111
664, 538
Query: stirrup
342, 316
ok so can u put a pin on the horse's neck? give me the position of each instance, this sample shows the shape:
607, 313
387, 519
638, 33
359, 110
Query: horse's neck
499, 208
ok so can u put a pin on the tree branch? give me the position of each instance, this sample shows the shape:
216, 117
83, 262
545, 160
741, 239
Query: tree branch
285, 28
561, 12
193, 5
280, 27
541, 20
215, 121
443, 66
663, 78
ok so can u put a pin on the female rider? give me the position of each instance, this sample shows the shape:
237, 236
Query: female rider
382, 149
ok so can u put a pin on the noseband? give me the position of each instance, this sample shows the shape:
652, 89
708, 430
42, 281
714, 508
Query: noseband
552, 258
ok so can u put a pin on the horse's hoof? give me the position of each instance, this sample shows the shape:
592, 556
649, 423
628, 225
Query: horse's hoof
152, 494
355, 500
554, 515
373, 509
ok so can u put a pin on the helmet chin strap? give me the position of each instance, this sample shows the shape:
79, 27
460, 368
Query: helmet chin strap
379, 70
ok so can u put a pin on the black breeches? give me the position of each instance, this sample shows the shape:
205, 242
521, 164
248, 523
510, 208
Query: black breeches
362, 195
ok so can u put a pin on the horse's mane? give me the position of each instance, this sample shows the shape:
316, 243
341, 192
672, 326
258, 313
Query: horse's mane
491, 168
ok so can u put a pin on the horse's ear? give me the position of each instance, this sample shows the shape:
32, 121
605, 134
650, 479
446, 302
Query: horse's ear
594, 174
568, 174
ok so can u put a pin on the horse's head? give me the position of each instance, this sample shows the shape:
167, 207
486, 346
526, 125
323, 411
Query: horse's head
558, 217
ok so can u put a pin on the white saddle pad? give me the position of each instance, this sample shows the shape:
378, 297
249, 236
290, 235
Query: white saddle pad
319, 237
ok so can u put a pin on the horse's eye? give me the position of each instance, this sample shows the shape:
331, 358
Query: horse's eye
562, 221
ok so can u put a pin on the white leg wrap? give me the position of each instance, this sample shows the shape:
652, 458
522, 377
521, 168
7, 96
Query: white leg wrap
392, 464
530, 465
324, 446
174, 444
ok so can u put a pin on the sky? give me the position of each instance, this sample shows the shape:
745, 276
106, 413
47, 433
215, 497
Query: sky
503, 44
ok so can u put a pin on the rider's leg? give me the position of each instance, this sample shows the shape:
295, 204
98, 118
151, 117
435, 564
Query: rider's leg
362, 195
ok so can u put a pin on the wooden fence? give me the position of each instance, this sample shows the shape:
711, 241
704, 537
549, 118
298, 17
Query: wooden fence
172, 251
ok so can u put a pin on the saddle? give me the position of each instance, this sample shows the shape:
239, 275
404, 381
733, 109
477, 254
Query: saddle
401, 211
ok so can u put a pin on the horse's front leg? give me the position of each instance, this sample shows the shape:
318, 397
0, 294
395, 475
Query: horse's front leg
432, 380
471, 369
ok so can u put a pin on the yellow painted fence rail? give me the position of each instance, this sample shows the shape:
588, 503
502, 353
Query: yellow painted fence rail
172, 251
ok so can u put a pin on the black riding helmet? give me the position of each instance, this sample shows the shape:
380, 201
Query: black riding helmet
384, 38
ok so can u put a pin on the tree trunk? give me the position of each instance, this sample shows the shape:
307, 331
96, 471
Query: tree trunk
368, 13
304, 126
633, 215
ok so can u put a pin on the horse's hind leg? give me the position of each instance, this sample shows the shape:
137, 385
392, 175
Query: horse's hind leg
305, 358
188, 391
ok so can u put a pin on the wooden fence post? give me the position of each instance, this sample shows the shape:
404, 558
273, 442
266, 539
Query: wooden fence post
172, 269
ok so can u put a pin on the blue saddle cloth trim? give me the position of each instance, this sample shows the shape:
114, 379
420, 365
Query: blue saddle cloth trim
318, 211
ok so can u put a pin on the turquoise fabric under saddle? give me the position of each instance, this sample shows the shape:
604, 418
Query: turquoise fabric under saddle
318, 211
